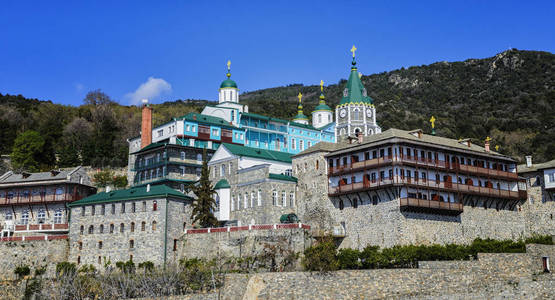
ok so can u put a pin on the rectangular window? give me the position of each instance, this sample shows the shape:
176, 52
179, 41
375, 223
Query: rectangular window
123, 208
113, 209
284, 198
292, 199
274, 198
160, 133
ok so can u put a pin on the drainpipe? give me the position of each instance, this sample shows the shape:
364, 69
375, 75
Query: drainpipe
166, 233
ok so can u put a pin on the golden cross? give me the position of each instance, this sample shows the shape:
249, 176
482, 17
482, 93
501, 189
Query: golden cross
228, 64
488, 139
496, 147
433, 121
321, 85
353, 50
300, 96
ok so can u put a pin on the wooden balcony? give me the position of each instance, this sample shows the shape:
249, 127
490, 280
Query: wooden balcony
39, 199
426, 184
420, 163
430, 206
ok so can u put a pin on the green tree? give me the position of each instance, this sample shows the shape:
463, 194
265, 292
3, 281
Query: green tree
27, 150
321, 257
204, 204
103, 179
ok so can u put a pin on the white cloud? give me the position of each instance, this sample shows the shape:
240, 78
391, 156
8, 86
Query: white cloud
151, 89
79, 87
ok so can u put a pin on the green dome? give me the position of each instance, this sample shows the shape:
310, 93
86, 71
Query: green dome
300, 116
228, 83
322, 107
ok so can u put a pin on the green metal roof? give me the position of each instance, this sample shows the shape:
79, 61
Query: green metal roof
282, 177
222, 184
228, 83
150, 147
356, 92
156, 191
323, 107
258, 153
163, 180
300, 116
265, 118
302, 125
206, 119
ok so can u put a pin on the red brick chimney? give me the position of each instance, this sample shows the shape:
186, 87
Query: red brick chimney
146, 125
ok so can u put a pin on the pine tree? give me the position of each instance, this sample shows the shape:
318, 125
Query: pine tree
204, 204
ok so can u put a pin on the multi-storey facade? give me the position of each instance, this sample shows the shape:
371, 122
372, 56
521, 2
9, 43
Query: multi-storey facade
231, 122
32, 203
406, 187
253, 186
139, 224
540, 205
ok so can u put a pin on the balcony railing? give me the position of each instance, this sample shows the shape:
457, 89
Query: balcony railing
39, 227
421, 205
423, 183
31, 199
422, 162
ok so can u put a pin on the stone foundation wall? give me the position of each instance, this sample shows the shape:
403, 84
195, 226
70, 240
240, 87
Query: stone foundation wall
34, 254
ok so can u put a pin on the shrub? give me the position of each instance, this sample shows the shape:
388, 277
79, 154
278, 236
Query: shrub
321, 257
22, 271
539, 239
127, 267
148, 266
40, 271
372, 258
65, 268
349, 259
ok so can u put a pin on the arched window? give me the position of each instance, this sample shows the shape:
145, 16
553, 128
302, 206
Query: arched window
80, 245
131, 244
154, 205
143, 226
319, 118
246, 200
121, 227
82, 229
111, 228
283, 199
259, 198
292, 199
133, 207
101, 229
329, 118
91, 229
144, 206
41, 216
25, 217
356, 114
153, 225
274, 197
317, 163
132, 227
252, 199
100, 245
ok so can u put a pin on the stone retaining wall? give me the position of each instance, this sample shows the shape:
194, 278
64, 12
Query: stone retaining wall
34, 254
242, 243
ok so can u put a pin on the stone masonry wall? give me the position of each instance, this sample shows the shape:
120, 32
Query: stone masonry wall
383, 224
34, 254
242, 243
539, 207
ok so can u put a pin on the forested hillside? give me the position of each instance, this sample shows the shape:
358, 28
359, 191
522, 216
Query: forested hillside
510, 97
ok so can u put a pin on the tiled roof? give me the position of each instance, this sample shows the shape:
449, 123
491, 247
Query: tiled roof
156, 191
258, 153
11, 177
282, 177
536, 167
319, 147
426, 138
206, 119
222, 184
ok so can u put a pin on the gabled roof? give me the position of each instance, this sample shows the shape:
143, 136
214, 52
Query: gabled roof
282, 177
11, 177
206, 119
257, 153
394, 133
156, 191
536, 167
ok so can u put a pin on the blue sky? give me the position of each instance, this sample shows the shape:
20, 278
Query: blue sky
166, 50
